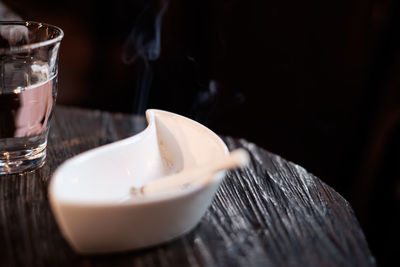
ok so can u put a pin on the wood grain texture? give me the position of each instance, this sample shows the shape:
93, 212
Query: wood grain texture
272, 213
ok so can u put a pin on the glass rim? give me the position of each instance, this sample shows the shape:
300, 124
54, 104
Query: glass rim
30, 46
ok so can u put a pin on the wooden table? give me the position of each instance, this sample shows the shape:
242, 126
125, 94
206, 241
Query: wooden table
273, 213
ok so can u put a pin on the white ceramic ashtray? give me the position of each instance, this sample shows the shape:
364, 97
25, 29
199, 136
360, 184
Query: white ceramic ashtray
143, 190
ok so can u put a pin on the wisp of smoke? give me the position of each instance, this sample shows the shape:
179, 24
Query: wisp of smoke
144, 44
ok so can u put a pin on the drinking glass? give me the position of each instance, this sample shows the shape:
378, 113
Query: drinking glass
28, 89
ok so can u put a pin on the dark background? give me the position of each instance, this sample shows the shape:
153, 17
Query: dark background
316, 82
